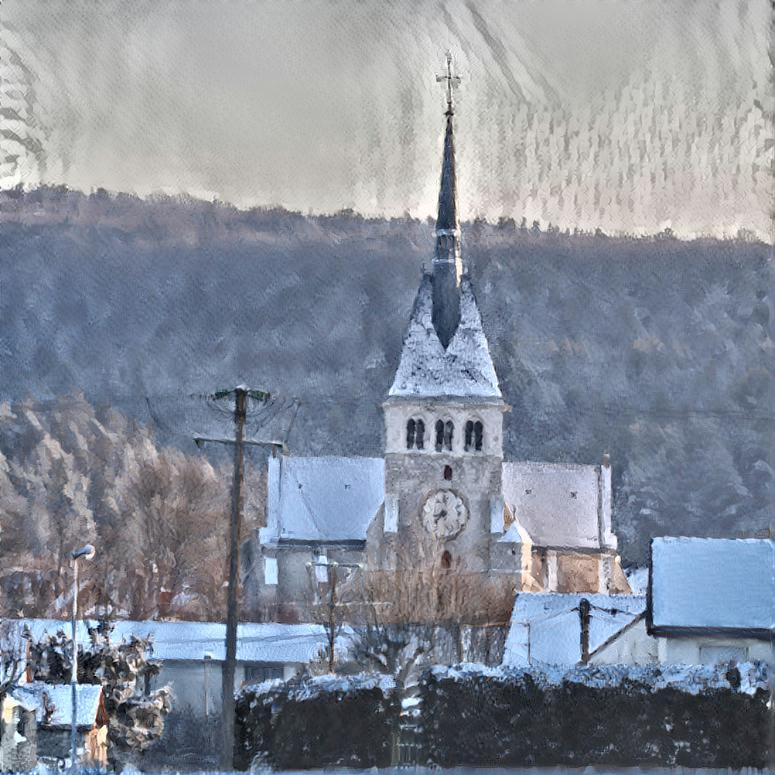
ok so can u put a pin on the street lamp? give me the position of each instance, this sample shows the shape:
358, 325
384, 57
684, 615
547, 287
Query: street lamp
84, 553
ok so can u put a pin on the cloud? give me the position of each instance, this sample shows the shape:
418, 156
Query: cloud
624, 116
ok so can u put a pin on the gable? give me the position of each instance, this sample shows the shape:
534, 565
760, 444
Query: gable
320, 499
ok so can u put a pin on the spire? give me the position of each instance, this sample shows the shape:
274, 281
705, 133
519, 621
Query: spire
447, 262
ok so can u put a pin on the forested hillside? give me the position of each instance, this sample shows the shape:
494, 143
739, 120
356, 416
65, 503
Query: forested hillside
656, 350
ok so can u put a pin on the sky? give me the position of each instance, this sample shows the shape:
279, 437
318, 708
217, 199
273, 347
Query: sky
630, 115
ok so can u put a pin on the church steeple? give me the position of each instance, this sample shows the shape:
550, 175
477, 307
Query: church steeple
447, 262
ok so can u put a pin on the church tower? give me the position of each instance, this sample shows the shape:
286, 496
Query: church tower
444, 411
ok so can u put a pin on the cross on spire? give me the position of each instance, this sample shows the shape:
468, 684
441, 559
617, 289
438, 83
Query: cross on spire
452, 82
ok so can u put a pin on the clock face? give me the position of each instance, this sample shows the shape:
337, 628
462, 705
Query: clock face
444, 514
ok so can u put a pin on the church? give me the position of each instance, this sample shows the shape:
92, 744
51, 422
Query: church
442, 494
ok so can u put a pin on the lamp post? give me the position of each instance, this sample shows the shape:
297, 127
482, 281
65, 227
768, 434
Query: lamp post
85, 553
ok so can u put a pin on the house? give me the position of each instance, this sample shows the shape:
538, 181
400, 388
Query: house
53, 712
711, 600
192, 653
18, 734
546, 629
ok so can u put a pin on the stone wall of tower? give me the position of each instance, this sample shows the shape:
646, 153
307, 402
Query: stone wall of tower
412, 476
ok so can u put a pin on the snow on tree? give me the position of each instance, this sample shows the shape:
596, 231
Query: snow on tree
125, 672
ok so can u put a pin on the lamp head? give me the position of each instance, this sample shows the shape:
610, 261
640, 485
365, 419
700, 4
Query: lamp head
84, 553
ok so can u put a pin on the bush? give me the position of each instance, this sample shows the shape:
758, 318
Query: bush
326, 721
624, 716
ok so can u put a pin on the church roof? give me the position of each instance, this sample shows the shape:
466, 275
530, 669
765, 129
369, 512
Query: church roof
718, 584
323, 499
558, 504
464, 369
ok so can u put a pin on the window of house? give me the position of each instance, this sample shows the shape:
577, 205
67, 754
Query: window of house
257, 673
478, 435
715, 654
270, 571
468, 438
321, 569
411, 430
448, 473
439, 435
446, 560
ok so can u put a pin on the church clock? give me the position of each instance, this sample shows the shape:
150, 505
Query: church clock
444, 514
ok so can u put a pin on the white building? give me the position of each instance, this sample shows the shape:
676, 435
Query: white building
712, 600
546, 629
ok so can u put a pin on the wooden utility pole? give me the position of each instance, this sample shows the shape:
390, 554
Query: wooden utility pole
232, 596
241, 395
584, 620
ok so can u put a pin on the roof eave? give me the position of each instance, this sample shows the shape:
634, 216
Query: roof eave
672, 631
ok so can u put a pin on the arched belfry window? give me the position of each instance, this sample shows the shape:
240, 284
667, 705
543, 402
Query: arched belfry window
415, 434
449, 429
419, 436
444, 433
474, 436
478, 435
411, 432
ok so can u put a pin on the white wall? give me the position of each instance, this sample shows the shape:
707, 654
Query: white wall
634, 646
689, 650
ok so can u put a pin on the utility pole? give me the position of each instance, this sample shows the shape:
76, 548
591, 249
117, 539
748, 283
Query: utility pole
584, 620
241, 395
237, 502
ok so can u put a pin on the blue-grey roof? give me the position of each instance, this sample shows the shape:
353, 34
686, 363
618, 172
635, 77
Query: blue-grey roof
713, 583
194, 641
464, 368
321, 499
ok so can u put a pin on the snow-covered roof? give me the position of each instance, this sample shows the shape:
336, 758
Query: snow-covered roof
323, 498
194, 641
546, 629
558, 504
427, 370
715, 584
59, 695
